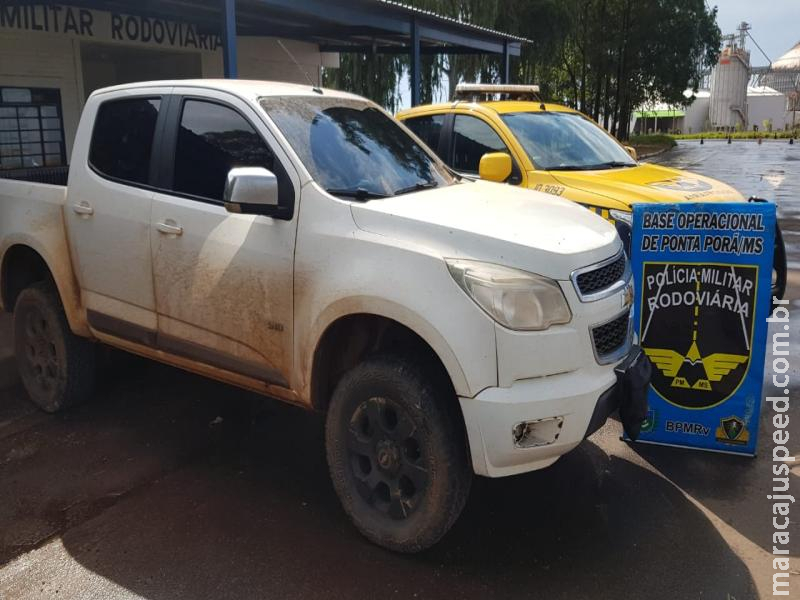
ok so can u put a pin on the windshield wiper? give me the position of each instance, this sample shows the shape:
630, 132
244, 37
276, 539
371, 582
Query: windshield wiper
420, 185
612, 164
572, 168
356, 193
615, 164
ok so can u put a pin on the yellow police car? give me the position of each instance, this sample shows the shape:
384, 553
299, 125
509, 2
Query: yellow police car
506, 133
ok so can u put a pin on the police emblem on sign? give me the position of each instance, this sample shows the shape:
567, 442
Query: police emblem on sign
697, 328
732, 430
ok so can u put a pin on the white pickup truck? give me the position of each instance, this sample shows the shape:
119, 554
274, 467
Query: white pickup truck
303, 244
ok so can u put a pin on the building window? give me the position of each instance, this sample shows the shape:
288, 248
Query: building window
31, 128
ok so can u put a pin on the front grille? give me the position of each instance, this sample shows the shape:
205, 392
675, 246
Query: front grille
611, 336
599, 279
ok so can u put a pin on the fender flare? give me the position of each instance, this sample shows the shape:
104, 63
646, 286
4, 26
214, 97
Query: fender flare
59, 264
379, 307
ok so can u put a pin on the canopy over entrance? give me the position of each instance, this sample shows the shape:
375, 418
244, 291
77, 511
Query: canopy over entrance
380, 26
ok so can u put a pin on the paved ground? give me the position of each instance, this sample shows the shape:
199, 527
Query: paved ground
8, 367
169, 486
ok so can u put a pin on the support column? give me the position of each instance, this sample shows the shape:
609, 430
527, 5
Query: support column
229, 38
414, 82
506, 67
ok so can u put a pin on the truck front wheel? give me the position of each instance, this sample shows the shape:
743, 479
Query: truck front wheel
397, 458
56, 366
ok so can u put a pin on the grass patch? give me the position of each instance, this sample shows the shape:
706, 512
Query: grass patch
737, 135
650, 145
655, 139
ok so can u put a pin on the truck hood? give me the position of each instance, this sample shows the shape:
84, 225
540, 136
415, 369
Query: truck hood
649, 183
495, 223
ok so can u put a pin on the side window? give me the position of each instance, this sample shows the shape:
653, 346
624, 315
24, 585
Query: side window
122, 139
472, 138
427, 129
213, 139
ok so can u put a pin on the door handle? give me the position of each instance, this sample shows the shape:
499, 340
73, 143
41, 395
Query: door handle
83, 208
169, 227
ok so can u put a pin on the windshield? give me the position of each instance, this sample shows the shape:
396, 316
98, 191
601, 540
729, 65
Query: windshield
561, 141
352, 149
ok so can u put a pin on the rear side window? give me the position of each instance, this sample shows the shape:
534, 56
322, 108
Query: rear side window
427, 129
122, 139
213, 139
472, 138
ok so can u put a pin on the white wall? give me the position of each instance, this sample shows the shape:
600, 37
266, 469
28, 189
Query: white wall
47, 62
695, 119
760, 108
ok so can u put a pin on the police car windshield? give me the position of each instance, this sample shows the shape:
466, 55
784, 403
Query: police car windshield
352, 149
561, 141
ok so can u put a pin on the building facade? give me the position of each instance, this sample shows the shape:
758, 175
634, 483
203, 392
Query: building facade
52, 57
54, 53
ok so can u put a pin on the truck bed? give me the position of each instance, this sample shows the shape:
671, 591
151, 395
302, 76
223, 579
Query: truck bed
49, 175
31, 214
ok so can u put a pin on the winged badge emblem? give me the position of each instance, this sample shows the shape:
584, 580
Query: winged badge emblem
716, 366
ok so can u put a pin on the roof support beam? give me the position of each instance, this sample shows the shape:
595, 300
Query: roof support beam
506, 66
229, 38
404, 49
415, 63
459, 38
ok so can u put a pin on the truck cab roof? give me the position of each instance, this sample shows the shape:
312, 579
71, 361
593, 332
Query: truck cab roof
245, 88
500, 107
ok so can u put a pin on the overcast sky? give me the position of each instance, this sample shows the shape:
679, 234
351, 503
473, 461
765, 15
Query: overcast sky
775, 24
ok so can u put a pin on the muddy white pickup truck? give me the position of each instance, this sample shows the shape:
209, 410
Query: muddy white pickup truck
303, 244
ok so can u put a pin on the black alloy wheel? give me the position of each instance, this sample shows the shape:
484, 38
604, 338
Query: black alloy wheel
386, 457
57, 367
397, 453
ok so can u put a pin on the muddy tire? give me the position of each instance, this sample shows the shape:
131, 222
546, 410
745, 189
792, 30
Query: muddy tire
397, 455
57, 367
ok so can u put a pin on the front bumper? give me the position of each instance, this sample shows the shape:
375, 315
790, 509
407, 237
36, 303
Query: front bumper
569, 406
628, 395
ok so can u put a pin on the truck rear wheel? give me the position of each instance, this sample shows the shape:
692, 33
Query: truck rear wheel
396, 456
56, 366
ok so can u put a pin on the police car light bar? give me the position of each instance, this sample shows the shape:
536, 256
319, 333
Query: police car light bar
509, 91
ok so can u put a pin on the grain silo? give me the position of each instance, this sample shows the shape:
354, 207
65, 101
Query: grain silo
728, 102
784, 76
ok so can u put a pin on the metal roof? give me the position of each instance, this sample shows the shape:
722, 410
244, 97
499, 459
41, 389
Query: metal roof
341, 25
789, 61
431, 14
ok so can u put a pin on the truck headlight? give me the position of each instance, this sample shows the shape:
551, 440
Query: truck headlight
516, 299
621, 215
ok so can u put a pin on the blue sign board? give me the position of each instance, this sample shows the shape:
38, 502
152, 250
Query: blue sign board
703, 274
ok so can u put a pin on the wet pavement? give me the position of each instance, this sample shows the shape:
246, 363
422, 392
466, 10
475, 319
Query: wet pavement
770, 170
170, 486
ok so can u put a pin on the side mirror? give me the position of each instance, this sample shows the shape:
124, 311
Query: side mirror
495, 166
251, 190
632, 151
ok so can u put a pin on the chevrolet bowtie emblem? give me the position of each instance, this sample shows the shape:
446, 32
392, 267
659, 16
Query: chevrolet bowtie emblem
627, 296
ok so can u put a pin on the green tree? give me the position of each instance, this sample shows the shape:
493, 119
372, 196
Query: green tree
603, 57
376, 76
